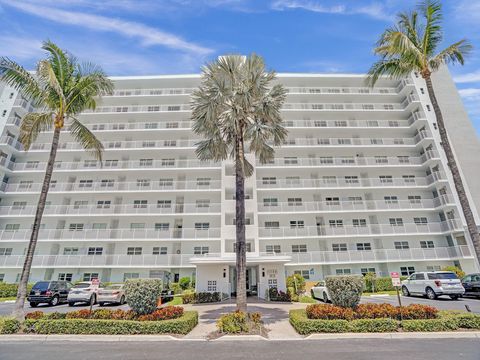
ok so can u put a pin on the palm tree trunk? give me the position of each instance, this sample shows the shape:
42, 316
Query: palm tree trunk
241, 256
452, 164
27, 265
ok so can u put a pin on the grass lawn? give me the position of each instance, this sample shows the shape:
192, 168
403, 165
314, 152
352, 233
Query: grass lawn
2, 299
177, 300
390, 292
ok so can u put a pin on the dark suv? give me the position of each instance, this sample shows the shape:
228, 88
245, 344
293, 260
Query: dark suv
50, 292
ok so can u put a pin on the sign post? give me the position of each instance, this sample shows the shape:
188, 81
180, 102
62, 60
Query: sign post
95, 283
397, 284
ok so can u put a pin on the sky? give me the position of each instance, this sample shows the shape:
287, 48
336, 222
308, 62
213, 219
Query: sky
146, 37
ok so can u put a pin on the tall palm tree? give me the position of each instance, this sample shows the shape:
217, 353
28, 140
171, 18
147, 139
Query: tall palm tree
412, 45
237, 110
60, 89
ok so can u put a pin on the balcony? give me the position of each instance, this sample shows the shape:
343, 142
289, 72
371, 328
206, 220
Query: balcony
366, 230
113, 187
303, 184
113, 234
379, 255
344, 107
117, 210
362, 205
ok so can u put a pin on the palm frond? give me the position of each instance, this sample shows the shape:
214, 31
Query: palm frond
33, 124
394, 68
432, 32
86, 138
62, 65
454, 53
48, 77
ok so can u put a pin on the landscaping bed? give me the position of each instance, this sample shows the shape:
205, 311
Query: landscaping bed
240, 323
379, 318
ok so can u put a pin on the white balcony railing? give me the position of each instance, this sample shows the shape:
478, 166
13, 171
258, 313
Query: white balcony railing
367, 230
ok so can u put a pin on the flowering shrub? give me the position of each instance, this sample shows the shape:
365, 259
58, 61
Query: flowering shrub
329, 312
239, 322
375, 311
34, 315
417, 311
166, 313
79, 314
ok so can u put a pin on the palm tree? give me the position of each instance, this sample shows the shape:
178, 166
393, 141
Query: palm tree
237, 106
60, 89
411, 46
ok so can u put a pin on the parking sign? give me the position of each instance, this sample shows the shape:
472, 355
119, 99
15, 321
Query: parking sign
395, 279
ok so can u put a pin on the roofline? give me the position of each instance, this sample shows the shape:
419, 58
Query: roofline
280, 75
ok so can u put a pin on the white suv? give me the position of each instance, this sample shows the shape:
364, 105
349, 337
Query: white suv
433, 284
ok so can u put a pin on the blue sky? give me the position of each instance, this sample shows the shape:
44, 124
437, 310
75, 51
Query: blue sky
139, 37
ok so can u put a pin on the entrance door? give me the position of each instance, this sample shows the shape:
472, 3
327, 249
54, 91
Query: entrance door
251, 280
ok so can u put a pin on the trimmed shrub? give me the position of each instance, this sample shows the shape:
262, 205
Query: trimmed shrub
296, 282
417, 311
305, 326
79, 314
175, 287
55, 315
142, 294
188, 297
468, 321
379, 284
443, 324
329, 312
275, 295
208, 297
9, 325
181, 325
374, 325
34, 315
375, 311
184, 283
10, 290
346, 290
166, 313
239, 322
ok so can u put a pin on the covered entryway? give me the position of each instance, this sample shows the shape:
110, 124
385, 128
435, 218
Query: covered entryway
251, 279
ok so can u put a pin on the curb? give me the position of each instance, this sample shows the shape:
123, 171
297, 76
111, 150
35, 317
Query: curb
241, 338
88, 338
394, 336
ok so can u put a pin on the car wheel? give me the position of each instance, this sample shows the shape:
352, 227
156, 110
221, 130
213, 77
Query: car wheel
54, 301
405, 291
454, 297
122, 300
71, 303
33, 304
312, 294
430, 293
101, 304
325, 298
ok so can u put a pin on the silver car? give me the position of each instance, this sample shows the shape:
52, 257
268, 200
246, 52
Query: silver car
84, 292
433, 284
112, 294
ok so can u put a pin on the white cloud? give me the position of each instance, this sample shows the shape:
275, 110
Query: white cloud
470, 93
19, 47
468, 77
374, 10
149, 36
471, 100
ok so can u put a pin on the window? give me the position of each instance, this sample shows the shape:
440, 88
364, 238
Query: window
340, 123
292, 180
401, 245
165, 182
343, 271
95, 251
248, 247
344, 141
414, 199
103, 204
202, 203
381, 160
153, 108
409, 179
127, 276
386, 179
85, 183
427, 244
167, 162
396, 221
393, 123
329, 179
347, 160
420, 220
339, 247
200, 250
365, 271
6, 251
326, 160
332, 200
31, 164
134, 251
90, 163
355, 199
290, 161
19, 205
12, 227
433, 268
364, 246
270, 202
65, 277
273, 249
351, 179
151, 125
391, 199
99, 226
320, 123
146, 162
403, 159
80, 204
272, 225
111, 163
303, 273
203, 181
297, 224
70, 251
335, 223
140, 204
359, 222
299, 248
170, 143
294, 201
323, 142
172, 125
407, 270
107, 183
25, 184
137, 226
159, 250
212, 285
162, 226
143, 182
89, 276
202, 226
75, 227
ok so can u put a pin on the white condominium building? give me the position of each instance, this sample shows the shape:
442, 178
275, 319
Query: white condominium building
360, 185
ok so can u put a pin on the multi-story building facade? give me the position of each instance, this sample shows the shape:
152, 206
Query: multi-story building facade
361, 185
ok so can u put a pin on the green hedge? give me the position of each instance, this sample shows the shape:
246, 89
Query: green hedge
182, 325
442, 324
468, 321
373, 325
9, 325
381, 284
10, 290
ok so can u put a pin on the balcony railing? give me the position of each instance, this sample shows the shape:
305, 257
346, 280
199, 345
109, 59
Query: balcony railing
124, 186
359, 205
350, 183
112, 234
367, 230
94, 210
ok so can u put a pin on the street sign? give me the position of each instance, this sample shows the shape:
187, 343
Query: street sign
95, 282
395, 279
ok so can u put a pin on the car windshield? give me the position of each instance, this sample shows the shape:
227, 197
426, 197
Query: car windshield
43, 285
81, 286
442, 276
113, 287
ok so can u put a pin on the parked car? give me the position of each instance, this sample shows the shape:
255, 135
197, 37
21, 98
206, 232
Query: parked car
320, 291
471, 283
84, 292
50, 292
166, 296
433, 284
111, 294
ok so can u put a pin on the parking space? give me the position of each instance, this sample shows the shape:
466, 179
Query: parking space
7, 308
